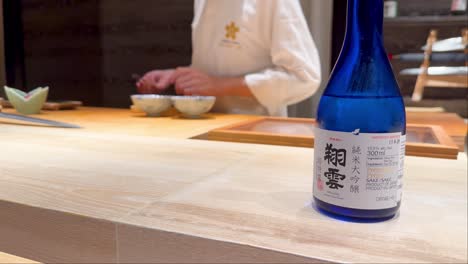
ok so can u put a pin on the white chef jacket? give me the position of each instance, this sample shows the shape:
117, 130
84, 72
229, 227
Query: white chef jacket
267, 41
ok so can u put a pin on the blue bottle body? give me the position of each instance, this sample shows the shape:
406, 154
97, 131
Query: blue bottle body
362, 92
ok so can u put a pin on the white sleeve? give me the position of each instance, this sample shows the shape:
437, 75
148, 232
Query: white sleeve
295, 74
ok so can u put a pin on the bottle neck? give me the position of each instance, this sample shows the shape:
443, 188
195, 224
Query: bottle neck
364, 22
363, 68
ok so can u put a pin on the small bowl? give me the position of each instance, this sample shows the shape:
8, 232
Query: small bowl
27, 103
152, 104
193, 106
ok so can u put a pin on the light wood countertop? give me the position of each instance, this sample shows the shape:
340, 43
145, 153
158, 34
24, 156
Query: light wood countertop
100, 195
10, 259
124, 121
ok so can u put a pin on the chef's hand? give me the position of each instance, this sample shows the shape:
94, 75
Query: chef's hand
155, 81
189, 81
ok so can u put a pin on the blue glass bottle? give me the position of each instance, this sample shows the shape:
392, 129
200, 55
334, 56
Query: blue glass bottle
362, 95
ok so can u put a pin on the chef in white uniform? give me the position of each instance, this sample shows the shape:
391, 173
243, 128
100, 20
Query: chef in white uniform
255, 56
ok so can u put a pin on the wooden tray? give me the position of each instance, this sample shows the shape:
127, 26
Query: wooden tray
452, 124
422, 140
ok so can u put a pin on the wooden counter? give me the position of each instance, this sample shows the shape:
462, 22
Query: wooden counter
10, 259
102, 195
123, 121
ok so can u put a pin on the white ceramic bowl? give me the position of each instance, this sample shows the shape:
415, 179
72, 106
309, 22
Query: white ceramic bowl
193, 106
152, 104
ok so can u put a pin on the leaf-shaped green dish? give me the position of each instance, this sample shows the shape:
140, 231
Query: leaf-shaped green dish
27, 103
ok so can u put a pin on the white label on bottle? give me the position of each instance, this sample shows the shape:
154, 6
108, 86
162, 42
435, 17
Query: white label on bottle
358, 170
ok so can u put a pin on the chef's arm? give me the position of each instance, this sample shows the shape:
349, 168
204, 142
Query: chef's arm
190, 81
275, 88
272, 78
295, 74
233, 86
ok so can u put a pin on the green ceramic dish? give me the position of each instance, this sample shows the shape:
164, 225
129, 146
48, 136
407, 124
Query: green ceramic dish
27, 103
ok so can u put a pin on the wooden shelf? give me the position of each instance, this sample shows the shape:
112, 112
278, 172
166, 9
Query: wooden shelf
425, 19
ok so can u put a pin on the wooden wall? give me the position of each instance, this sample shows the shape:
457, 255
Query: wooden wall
137, 36
87, 49
62, 48
424, 7
2, 49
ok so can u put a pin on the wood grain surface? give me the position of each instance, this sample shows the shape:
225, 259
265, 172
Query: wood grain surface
82, 196
125, 122
422, 140
105, 42
10, 259
452, 123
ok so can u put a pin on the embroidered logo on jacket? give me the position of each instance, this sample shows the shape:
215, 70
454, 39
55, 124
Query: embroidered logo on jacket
231, 30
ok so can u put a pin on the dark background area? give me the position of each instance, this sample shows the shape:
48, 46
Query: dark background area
88, 49
408, 33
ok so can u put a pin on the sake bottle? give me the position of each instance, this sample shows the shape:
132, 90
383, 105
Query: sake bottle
361, 125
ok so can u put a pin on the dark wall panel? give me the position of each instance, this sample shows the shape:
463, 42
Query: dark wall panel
88, 49
62, 48
13, 44
424, 7
138, 36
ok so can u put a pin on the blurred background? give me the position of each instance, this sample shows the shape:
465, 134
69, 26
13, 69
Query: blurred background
87, 50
